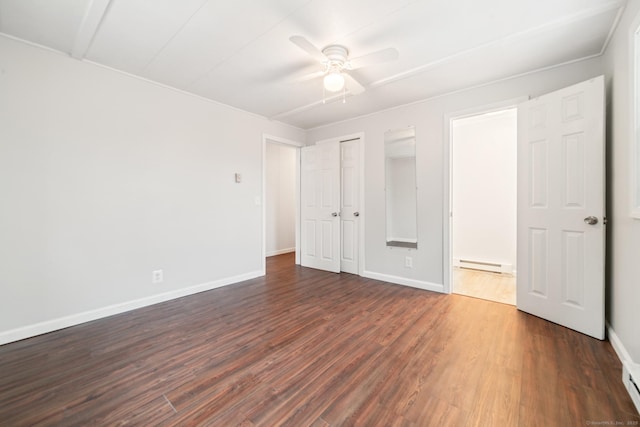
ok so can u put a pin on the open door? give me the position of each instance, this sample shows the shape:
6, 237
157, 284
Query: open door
320, 197
561, 206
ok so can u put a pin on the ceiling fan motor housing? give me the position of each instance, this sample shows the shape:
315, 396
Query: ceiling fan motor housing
337, 56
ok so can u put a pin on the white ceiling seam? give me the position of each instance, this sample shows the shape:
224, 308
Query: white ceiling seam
410, 73
34, 44
95, 13
172, 88
529, 31
174, 35
239, 54
389, 14
461, 90
613, 28
246, 45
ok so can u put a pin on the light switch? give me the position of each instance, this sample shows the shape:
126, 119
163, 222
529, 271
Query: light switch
238, 178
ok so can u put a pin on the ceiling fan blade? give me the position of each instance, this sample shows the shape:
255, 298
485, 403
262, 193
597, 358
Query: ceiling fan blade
308, 47
352, 84
309, 76
377, 57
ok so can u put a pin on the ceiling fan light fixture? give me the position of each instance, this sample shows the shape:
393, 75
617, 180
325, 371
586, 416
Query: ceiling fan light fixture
334, 81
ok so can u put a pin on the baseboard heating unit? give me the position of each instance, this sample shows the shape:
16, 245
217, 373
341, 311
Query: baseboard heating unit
484, 266
631, 380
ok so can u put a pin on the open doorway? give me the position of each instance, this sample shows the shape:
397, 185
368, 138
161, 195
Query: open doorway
484, 205
280, 201
281, 195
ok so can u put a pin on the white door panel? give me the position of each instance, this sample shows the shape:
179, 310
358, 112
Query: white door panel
320, 196
560, 183
349, 205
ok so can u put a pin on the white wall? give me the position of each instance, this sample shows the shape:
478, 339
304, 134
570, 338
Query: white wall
484, 156
623, 231
428, 118
105, 178
280, 203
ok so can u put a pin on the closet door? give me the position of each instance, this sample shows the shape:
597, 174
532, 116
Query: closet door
320, 210
349, 205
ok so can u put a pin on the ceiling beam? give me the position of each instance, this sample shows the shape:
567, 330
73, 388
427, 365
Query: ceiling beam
96, 10
327, 100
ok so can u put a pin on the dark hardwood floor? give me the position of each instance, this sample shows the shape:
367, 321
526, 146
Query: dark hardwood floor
301, 347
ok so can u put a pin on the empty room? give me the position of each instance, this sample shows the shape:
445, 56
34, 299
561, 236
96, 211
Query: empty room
319, 212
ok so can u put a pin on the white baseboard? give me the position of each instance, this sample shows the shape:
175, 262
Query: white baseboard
629, 367
617, 345
427, 286
87, 316
280, 252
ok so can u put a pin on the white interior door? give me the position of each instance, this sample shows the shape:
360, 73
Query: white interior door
349, 205
320, 197
561, 231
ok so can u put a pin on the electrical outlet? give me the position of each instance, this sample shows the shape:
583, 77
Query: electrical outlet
408, 262
156, 276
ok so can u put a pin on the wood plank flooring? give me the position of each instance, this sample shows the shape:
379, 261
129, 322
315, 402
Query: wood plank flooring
485, 284
301, 347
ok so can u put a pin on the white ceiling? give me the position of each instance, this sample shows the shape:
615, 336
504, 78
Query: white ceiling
238, 52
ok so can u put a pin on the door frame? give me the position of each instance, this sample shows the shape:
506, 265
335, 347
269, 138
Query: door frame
362, 217
271, 139
447, 233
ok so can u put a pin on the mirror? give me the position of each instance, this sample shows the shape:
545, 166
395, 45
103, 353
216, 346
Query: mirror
400, 187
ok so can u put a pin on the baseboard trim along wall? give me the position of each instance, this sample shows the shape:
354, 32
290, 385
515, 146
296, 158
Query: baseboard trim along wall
427, 286
630, 369
617, 345
87, 316
280, 252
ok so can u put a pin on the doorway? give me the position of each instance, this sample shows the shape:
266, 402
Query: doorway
484, 205
561, 219
281, 198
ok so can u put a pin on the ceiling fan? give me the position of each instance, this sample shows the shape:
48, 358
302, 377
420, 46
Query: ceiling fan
336, 64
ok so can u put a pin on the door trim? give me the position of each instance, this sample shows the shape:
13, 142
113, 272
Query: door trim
447, 229
634, 122
266, 139
363, 216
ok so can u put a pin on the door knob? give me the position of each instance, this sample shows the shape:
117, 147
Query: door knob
356, 214
334, 213
591, 220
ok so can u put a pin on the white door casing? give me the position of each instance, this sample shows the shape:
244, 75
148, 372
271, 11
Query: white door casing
560, 186
349, 205
320, 200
